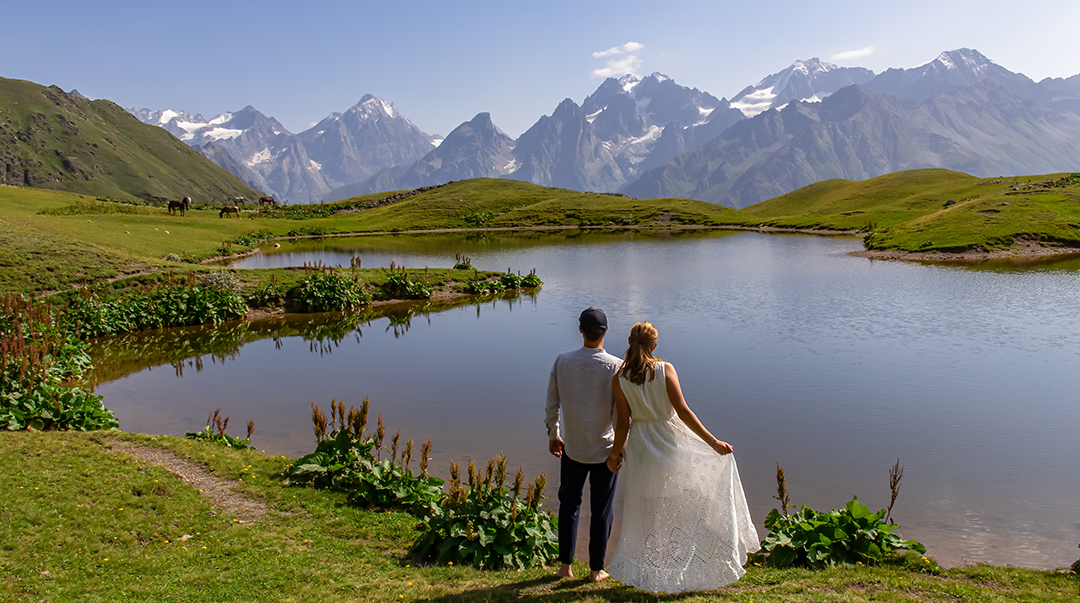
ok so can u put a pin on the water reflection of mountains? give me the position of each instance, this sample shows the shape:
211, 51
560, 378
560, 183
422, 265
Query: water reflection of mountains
189, 347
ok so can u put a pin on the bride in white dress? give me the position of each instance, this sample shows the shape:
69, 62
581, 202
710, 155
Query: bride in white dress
685, 523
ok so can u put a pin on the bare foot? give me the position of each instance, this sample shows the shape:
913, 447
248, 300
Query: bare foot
565, 572
598, 576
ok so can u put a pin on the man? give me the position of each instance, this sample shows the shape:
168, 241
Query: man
580, 390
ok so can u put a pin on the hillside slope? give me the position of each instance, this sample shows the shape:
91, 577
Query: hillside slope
49, 139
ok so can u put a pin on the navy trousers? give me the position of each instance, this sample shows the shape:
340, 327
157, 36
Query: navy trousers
601, 494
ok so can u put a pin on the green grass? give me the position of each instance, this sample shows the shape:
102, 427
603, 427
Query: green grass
909, 213
78, 522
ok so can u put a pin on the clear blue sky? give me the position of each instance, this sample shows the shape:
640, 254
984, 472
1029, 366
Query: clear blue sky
443, 62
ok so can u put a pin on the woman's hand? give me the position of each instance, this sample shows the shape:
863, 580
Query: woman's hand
614, 463
722, 447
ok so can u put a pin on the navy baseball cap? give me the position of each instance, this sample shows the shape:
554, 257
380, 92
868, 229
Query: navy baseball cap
592, 318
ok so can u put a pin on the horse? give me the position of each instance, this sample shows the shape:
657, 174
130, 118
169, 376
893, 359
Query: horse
239, 200
229, 209
180, 205
267, 201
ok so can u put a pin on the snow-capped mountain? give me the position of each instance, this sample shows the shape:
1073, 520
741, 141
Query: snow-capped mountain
808, 81
960, 111
475, 149
951, 71
197, 130
632, 126
627, 125
301, 168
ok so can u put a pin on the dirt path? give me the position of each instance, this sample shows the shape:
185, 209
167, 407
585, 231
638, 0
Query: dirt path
222, 494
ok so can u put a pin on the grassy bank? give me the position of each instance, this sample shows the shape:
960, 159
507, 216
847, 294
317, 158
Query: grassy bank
80, 520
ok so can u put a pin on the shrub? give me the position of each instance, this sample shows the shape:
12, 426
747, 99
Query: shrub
328, 291
253, 238
488, 525
222, 279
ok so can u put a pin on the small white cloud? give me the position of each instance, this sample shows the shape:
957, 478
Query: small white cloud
852, 54
614, 50
313, 124
627, 61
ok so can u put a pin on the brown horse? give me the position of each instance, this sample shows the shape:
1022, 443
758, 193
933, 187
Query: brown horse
229, 209
182, 206
267, 201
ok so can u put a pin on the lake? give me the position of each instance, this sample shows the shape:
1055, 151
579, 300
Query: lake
787, 347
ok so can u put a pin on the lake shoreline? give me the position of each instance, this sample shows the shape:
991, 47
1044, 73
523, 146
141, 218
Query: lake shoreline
1023, 248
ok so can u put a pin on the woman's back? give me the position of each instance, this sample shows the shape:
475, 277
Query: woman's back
649, 402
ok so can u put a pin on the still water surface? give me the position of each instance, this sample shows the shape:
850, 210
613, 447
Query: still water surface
788, 348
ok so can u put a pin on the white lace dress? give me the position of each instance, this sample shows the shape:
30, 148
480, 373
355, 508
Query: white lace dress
685, 523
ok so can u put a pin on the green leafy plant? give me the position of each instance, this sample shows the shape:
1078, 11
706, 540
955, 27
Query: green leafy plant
270, 295
510, 280
38, 355
478, 219
850, 535
253, 238
463, 262
479, 287
172, 304
390, 484
214, 432
325, 291
347, 459
398, 285
531, 280
488, 524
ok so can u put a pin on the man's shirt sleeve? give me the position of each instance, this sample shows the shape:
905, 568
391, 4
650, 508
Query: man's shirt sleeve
551, 416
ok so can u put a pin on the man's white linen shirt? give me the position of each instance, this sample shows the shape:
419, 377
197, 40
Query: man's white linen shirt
580, 387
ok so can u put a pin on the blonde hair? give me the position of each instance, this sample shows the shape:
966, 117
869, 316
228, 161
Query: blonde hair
639, 359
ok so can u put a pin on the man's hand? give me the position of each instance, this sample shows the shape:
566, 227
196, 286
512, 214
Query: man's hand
555, 447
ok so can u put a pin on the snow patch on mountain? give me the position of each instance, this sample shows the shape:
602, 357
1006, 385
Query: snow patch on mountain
222, 133
756, 102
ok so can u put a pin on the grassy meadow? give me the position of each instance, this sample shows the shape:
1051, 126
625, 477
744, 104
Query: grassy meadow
80, 521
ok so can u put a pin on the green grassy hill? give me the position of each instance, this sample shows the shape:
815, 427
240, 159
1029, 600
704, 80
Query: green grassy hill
935, 210
51, 140
494, 203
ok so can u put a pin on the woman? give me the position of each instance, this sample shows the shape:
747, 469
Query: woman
685, 523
